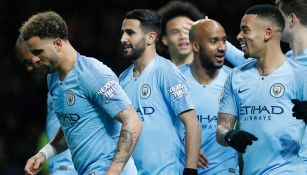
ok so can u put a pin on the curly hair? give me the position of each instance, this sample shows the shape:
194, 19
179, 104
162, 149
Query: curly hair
179, 8
44, 25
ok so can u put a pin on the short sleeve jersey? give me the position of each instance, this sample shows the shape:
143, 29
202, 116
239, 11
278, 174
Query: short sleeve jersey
85, 103
159, 95
263, 106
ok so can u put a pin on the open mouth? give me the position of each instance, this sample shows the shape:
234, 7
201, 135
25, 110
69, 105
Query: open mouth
126, 47
220, 57
243, 47
184, 45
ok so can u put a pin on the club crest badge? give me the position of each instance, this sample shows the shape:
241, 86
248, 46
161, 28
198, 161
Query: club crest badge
145, 91
277, 90
70, 98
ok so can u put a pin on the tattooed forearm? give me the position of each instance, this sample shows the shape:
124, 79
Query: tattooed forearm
121, 159
225, 122
123, 116
125, 141
129, 134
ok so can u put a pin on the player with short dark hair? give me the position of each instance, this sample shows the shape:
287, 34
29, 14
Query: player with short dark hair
159, 93
258, 94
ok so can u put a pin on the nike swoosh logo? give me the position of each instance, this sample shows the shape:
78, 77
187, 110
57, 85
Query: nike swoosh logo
240, 91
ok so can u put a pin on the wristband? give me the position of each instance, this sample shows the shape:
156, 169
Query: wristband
190, 171
48, 150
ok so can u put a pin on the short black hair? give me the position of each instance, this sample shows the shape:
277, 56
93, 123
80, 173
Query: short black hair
179, 8
44, 25
150, 20
269, 12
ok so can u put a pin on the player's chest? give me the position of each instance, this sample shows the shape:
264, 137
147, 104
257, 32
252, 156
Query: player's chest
264, 89
69, 98
142, 89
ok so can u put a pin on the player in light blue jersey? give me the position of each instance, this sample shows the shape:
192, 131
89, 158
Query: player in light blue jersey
295, 15
258, 94
174, 41
87, 100
159, 93
60, 164
206, 77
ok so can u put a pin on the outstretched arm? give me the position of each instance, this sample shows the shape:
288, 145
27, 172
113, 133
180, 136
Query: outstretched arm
129, 134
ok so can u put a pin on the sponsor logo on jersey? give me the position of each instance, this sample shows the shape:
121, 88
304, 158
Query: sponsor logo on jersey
70, 97
145, 91
277, 90
108, 90
145, 111
207, 121
260, 112
177, 91
67, 120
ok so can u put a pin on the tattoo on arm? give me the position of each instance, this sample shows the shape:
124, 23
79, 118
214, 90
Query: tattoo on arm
126, 138
227, 120
121, 159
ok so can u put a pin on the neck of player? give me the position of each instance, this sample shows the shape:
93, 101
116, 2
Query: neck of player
203, 75
68, 60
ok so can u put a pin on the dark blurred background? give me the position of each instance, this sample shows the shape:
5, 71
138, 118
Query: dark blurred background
94, 31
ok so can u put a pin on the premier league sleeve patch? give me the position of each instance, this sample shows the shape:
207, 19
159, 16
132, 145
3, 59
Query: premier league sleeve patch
108, 90
177, 91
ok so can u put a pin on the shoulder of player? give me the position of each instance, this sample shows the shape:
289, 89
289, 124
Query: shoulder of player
125, 73
184, 68
226, 69
165, 66
296, 67
88, 65
244, 67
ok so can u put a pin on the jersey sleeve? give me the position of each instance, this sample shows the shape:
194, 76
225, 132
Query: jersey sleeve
235, 56
103, 88
175, 90
227, 102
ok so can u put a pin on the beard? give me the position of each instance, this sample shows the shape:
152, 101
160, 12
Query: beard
206, 62
137, 50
